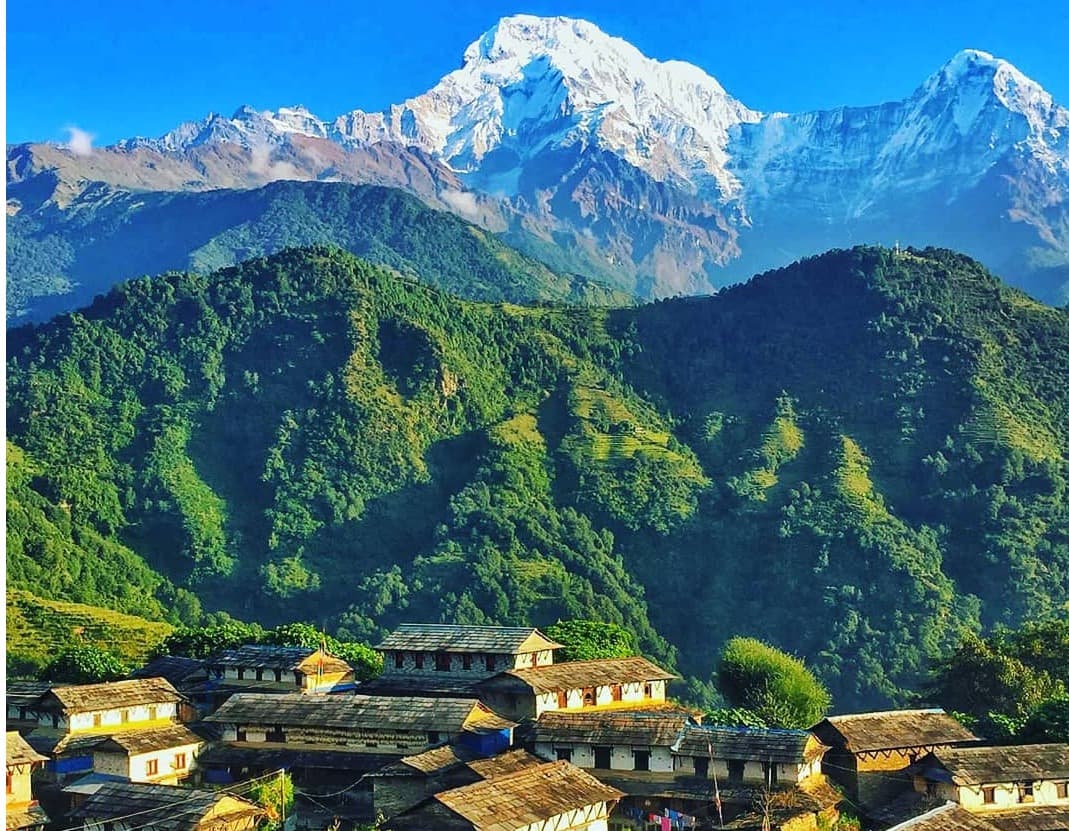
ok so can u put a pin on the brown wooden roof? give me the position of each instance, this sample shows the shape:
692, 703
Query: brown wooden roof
110, 696
451, 715
893, 730
636, 727
32, 816
1007, 763
947, 817
573, 675
19, 752
440, 637
134, 742
531, 795
163, 806
1032, 818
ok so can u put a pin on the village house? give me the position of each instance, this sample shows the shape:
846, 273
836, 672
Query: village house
746, 755
21, 810
20, 698
72, 720
556, 796
266, 668
395, 726
993, 778
576, 685
446, 660
165, 756
412, 779
946, 817
611, 739
126, 806
870, 753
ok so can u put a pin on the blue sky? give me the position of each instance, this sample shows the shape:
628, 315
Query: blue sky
119, 69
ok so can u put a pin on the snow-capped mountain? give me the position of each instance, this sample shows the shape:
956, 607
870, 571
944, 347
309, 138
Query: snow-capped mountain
598, 159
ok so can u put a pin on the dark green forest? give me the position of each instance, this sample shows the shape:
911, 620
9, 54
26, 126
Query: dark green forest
58, 260
860, 459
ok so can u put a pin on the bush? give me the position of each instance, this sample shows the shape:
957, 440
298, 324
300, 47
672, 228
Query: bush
776, 687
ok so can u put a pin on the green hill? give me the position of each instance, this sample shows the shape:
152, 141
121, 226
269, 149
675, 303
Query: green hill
60, 259
856, 458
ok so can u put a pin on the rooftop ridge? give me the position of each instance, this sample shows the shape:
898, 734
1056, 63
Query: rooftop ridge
877, 713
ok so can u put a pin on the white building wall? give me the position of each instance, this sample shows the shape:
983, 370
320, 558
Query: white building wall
165, 763
139, 714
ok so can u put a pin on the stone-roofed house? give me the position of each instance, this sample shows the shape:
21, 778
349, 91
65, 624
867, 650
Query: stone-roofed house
284, 669
164, 756
21, 697
394, 726
21, 810
993, 778
72, 720
555, 796
746, 755
870, 752
947, 817
408, 781
446, 659
165, 808
576, 685
611, 739
1043, 818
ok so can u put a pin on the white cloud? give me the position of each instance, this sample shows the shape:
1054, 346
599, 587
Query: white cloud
79, 142
461, 201
262, 166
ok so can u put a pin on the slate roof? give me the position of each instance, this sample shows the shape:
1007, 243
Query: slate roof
273, 757
268, 656
893, 730
424, 684
947, 817
1032, 818
639, 727
1010, 763
531, 795
134, 742
441, 637
408, 713
436, 760
162, 806
71, 743
504, 764
175, 668
111, 695
573, 675
747, 743
26, 693
20, 752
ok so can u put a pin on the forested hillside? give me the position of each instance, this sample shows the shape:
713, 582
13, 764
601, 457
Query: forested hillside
858, 458
59, 260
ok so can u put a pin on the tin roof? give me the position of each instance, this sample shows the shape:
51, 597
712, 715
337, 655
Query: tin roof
893, 730
530, 795
746, 743
573, 675
637, 727
1008, 763
111, 695
134, 742
19, 751
441, 637
163, 806
410, 713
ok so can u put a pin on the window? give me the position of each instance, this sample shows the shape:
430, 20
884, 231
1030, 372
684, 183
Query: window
433, 737
589, 697
152, 767
259, 675
241, 674
275, 734
151, 713
9, 781
490, 662
564, 754
602, 757
465, 661
642, 759
124, 716
736, 770
441, 662
278, 675
180, 761
419, 660
701, 768
55, 719
562, 699
617, 692
770, 773
647, 691
399, 660
96, 719
989, 794
1026, 792
241, 734
1062, 789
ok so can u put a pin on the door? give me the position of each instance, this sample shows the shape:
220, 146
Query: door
602, 757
